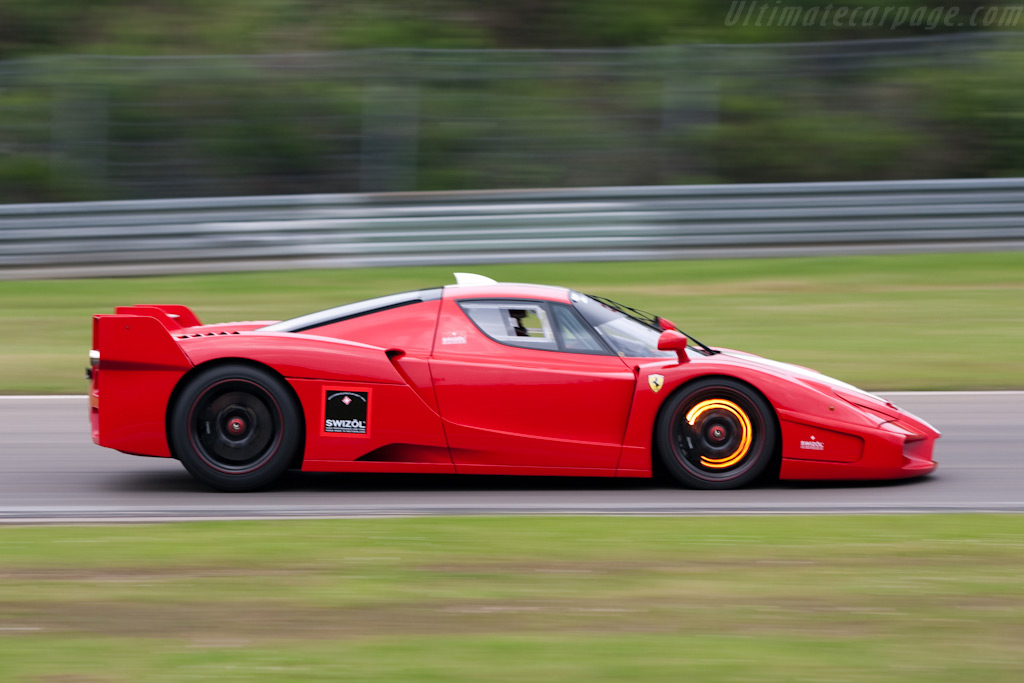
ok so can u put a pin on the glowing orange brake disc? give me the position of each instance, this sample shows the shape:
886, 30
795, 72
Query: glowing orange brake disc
746, 434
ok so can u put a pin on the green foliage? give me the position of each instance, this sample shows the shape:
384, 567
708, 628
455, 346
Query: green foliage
185, 126
980, 108
31, 27
785, 140
27, 179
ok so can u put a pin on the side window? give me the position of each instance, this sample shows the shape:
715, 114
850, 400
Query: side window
516, 323
576, 335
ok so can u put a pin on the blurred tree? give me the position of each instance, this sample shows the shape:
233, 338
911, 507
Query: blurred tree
161, 27
654, 91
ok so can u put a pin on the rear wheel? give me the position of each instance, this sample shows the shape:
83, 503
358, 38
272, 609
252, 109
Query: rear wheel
236, 427
716, 433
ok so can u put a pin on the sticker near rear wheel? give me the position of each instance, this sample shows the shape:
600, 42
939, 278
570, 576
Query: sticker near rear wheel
346, 411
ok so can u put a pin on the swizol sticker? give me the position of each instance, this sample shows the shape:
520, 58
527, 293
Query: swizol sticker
346, 412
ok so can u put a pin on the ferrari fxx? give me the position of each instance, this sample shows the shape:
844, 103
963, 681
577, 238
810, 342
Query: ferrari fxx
479, 377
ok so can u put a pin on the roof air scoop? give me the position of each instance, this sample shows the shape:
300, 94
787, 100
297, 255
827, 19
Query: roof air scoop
473, 279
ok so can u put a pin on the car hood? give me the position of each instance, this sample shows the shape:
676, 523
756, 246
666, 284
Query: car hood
821, 382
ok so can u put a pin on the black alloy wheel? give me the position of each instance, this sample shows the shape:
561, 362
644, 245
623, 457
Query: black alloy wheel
236, 427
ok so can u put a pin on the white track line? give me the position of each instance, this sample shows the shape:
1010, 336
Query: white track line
30, 397
1002, 392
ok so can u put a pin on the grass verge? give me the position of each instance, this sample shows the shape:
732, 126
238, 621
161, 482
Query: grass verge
908, 598
930, 321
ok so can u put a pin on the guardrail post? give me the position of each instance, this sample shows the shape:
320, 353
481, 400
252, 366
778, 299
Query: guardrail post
79, 131
390, 128
689, 111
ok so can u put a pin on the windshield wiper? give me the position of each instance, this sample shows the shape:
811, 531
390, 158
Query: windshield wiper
649, 319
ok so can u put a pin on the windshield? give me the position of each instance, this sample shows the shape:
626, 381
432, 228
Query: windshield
626, 335
630, 331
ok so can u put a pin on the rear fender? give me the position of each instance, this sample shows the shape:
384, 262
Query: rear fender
297, 356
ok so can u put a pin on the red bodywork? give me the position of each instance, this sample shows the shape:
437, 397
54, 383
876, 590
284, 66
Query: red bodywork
479, 406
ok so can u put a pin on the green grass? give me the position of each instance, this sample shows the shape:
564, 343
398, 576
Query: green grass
908, 598
936, 321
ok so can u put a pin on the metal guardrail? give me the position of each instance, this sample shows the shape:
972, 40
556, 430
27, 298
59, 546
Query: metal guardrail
586, 224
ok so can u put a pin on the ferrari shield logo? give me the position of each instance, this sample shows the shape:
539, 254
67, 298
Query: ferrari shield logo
656, 382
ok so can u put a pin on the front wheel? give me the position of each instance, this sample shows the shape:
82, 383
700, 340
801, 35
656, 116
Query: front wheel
235, 427
716, 433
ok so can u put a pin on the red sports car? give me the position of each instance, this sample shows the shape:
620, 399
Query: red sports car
479, 378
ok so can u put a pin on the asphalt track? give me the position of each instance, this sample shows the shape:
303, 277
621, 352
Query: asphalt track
50, 471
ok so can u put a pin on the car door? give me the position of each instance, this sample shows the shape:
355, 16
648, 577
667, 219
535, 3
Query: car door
526, 386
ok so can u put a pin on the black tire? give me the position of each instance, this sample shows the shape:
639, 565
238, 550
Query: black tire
716, 433
236, 427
